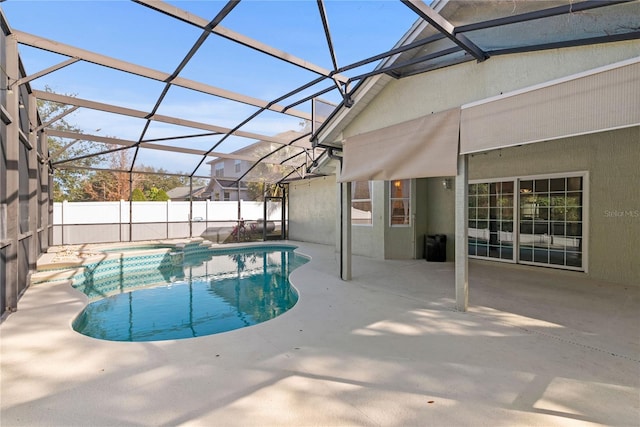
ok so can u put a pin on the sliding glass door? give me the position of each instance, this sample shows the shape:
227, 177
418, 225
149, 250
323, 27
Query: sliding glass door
530, 220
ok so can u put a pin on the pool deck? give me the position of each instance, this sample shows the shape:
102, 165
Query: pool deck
537, 347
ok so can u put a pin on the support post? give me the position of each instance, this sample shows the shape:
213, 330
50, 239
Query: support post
239, 215
461, 224
283, 213
63, 208
43, 193
13, 179
265, 200
32, 171
130, 206
345, 231
190, 208
50, 201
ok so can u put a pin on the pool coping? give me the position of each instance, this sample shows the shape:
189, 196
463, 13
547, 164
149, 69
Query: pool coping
65, 261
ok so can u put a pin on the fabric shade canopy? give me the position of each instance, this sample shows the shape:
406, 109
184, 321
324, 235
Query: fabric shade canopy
422, 147
598, 101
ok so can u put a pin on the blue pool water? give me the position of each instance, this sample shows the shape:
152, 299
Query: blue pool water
205, 292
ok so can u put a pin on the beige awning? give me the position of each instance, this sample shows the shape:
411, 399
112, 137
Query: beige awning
602, 100
423, 147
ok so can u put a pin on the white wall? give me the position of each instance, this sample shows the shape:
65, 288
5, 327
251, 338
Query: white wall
146, 212
312, 210
99, 222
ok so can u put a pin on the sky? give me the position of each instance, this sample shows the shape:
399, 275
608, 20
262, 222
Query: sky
134, 33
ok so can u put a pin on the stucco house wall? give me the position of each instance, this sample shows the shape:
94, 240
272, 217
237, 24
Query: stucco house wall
607, 156
611, 159
366, 238
312, 210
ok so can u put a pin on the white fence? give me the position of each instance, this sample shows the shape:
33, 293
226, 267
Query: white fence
99, 222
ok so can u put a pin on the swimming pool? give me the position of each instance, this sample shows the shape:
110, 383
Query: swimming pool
153, 298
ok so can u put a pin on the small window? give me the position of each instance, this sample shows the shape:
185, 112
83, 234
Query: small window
238, 166
361, 203
399, 202
227, 196
219, 169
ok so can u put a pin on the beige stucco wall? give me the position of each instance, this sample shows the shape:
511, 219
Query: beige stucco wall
441, 211
366, 238
312, 210
400, 241
412, 97
612, 160
450, 87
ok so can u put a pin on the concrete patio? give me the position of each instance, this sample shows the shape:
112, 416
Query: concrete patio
537, 347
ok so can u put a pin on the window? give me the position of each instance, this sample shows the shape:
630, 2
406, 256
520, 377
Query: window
219, 169
361, 203
549, 226
399, 202
226, 196
238, 166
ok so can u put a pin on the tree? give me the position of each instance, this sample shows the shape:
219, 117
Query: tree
113, 185
138, 195
73, 184
68, 184
258, 189
162, 180
100, 186
157, 195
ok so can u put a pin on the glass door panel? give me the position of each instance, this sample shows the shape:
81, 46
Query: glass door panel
491, 207
551, 221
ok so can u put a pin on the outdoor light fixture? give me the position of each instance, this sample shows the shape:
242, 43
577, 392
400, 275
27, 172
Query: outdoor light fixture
446, 183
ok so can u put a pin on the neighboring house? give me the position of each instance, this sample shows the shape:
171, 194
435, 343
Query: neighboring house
182, 193
227, 190
547, 142
225, 172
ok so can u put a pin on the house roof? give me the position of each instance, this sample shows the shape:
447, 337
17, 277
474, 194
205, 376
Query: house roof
229, 183
258, 149
183, 192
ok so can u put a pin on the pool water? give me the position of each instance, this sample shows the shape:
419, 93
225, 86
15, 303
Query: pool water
211, 292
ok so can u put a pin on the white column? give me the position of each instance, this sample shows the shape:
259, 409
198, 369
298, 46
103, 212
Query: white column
345, 231
461, 219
